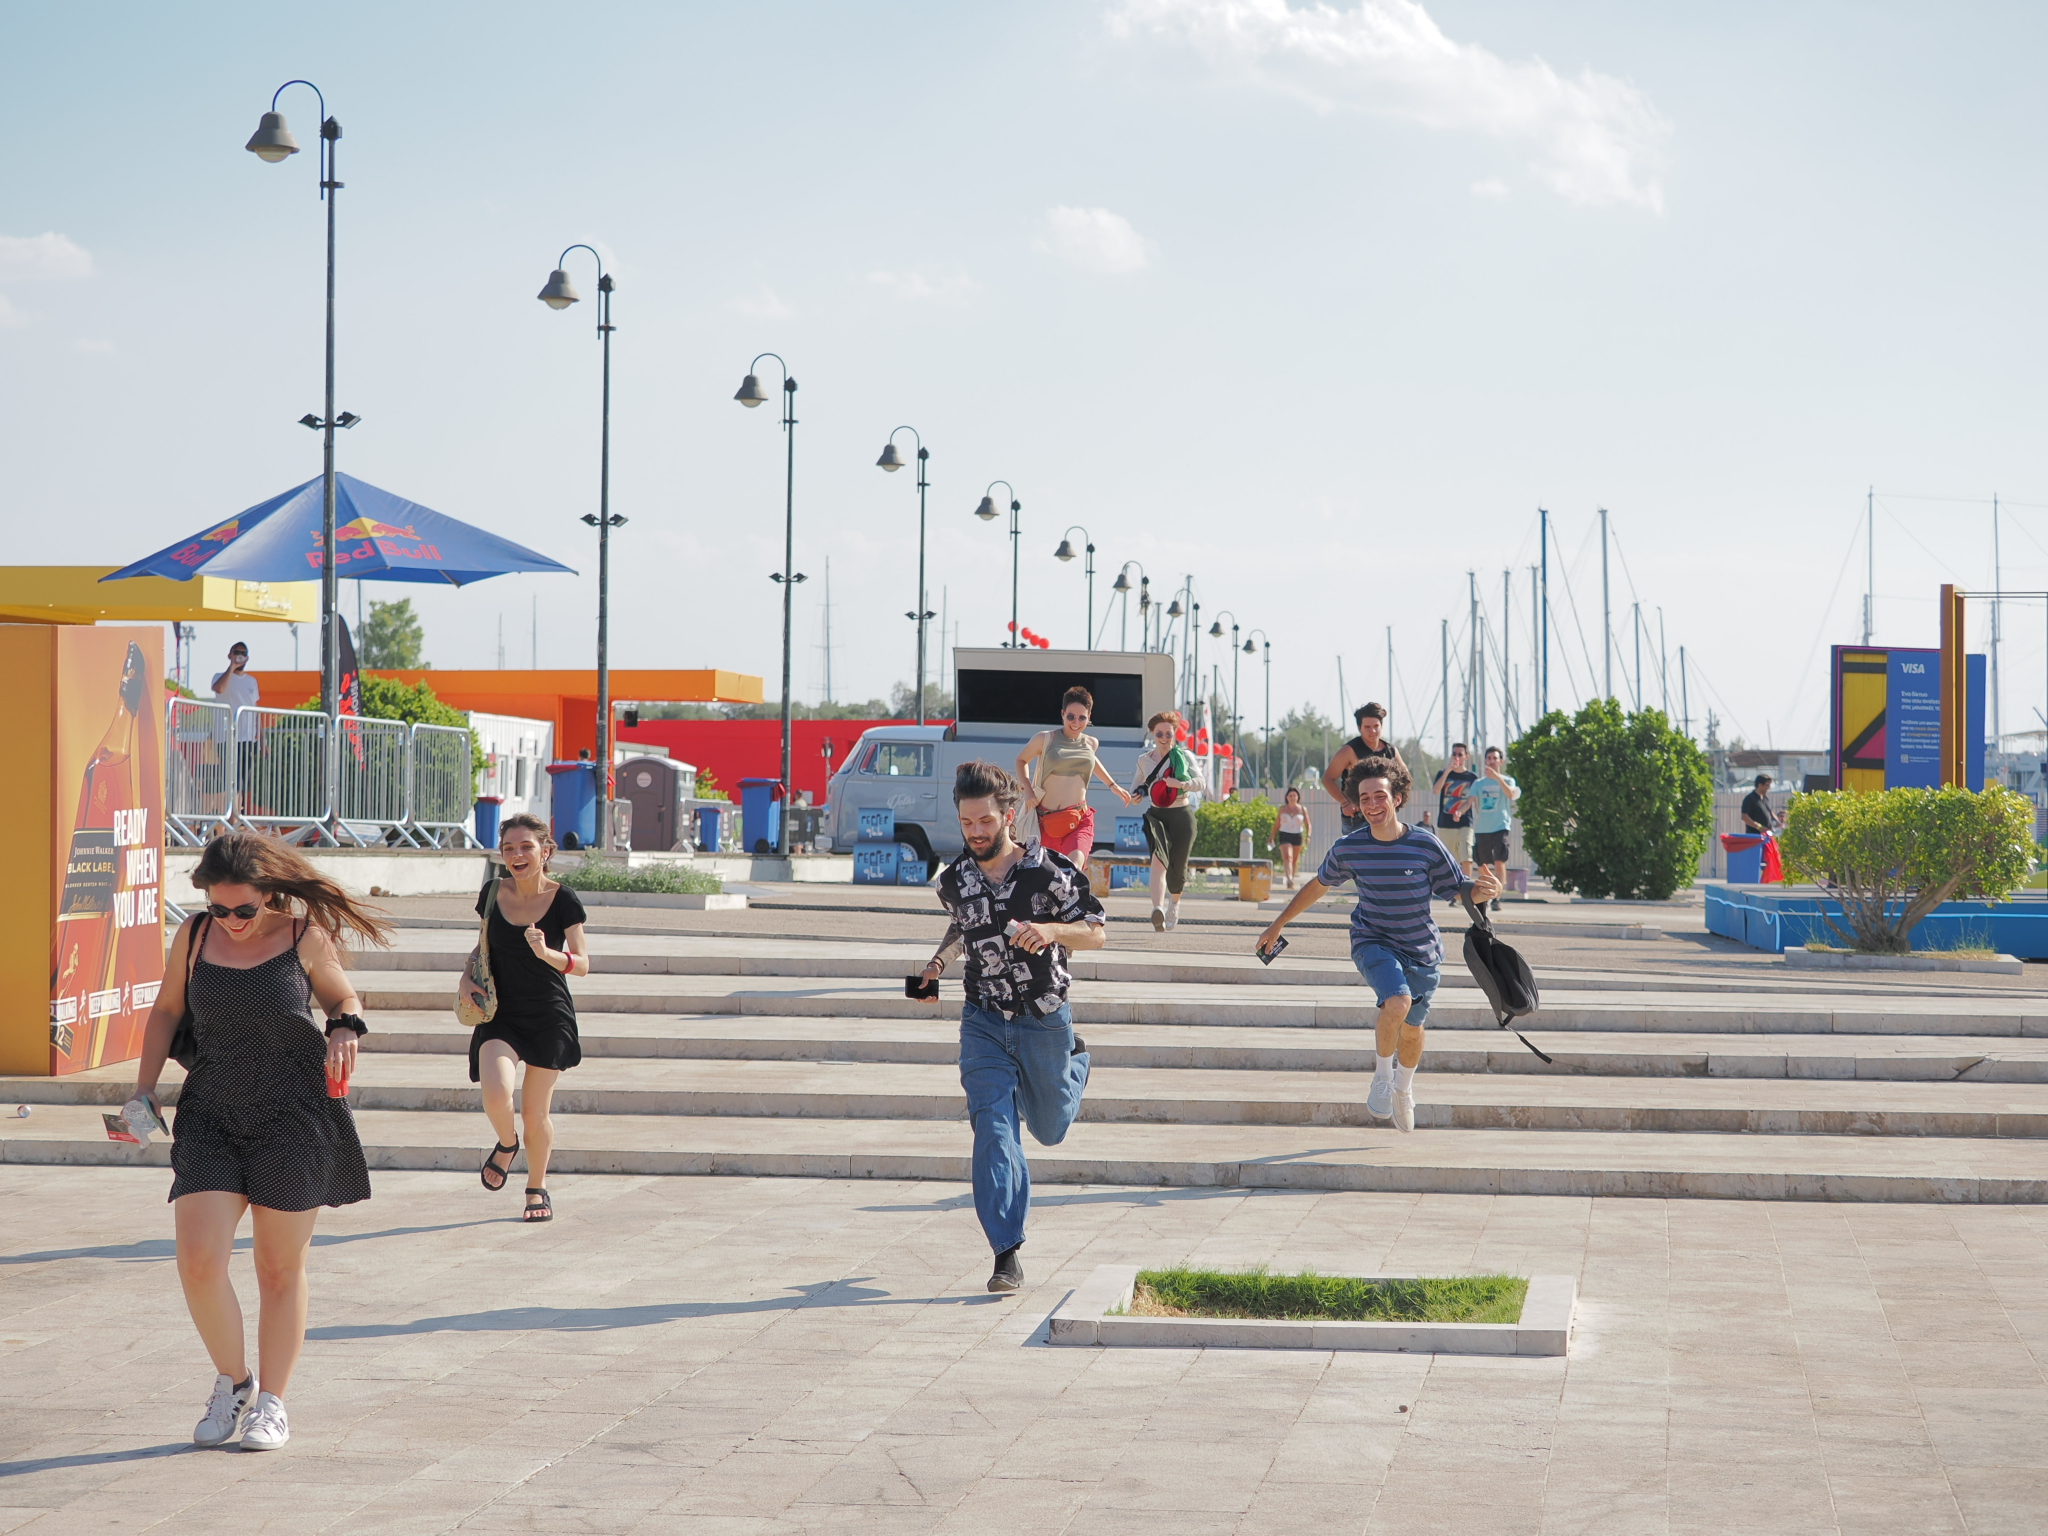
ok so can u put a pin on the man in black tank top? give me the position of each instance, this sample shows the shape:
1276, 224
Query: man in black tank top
1370, 745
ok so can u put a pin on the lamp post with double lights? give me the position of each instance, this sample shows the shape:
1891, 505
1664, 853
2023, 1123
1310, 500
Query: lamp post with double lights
1216, 633
1122, 588
272, 143
1066, 552
750, 394
559, 293
1173, 614
1266, 733
987, 513
892, 461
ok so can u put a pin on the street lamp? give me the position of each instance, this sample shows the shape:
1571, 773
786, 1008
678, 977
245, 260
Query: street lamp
272, 143
750, 394
892, 461
1266, 735
1122, 588
1066, 552
987, 513
559, 293
1216, 633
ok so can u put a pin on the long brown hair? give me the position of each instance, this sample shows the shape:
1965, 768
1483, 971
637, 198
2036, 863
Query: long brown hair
280, 872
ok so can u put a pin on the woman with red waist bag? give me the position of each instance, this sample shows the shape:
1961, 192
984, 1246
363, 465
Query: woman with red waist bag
1066, 766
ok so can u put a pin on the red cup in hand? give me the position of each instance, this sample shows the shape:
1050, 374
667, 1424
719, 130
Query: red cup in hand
337, 1087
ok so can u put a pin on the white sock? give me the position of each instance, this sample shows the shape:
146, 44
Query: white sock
1404, 1079
1382, 1068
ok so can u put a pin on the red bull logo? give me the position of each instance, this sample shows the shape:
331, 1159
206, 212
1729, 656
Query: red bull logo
370, 528
226, 533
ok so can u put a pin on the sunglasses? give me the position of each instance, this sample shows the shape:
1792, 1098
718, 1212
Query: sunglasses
240, 914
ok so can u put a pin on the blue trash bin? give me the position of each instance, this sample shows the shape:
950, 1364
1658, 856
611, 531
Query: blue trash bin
760, 815
487, 810
707, 829
573, 821
1745, 857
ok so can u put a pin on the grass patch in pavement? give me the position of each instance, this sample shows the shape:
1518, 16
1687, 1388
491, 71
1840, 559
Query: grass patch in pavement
655, 879
1252, 1293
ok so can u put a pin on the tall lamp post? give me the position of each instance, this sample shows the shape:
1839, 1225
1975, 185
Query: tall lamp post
750, 394
1173, 614
272, 143
1266, 734
987, 513
892, 461
1122, 588
1066, 552
1216, 633
559, 293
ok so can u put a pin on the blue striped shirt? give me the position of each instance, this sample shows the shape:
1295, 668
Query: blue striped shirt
1395, 881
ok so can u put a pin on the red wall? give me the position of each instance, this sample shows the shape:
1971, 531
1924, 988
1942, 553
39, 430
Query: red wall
752, 749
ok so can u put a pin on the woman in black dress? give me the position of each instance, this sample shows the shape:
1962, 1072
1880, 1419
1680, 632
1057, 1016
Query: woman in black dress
258, 1128
536, 935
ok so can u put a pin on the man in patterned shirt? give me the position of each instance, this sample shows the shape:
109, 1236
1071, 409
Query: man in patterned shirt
1394, 940
1016, 911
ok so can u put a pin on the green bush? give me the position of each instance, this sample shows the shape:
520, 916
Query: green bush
1891, 856
1613, 804
1217, 823
660, 879
1255, 1294
386, 698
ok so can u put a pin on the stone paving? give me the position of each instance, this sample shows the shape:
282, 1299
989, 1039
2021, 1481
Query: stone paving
769, 1356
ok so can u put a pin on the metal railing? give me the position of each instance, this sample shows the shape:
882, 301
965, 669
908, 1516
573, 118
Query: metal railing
400, 785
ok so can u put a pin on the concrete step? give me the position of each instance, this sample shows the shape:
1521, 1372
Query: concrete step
844, 1090
1110, 1002
1492, 1162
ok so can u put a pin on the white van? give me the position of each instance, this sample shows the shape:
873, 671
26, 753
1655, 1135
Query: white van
1005, 698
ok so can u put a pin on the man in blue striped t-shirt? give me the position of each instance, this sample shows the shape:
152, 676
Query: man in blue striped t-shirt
1394, 940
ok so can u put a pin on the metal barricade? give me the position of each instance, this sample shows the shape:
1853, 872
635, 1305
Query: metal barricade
199, 771
376, 774
280, 769
443, 781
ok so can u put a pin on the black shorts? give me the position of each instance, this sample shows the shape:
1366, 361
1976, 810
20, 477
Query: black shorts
1287, 839
1490, 848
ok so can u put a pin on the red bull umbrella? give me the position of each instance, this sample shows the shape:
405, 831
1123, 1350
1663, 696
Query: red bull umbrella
377, 537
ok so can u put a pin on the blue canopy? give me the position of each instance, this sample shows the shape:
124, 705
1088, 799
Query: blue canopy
377, 537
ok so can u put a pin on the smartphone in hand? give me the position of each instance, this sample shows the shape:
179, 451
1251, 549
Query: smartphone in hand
920, 990
1268, 956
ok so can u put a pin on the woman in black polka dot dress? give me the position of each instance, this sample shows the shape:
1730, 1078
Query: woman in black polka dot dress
257, 1128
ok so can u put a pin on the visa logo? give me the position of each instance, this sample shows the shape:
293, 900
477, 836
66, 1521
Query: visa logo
1913, 666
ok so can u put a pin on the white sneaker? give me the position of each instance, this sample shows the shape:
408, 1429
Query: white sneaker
1172, 911
223, 1411
267, 1428
1379, 1103
1158, 920
1404, 1111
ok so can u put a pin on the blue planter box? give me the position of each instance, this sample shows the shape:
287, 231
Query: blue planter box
1775, 919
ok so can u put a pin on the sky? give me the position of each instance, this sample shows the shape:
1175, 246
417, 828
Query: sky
1313, 305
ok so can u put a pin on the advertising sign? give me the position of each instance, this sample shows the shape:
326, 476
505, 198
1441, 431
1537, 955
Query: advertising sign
1886, 718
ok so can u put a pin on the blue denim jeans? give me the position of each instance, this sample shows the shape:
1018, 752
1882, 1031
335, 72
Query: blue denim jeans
1389, 975
1022, 1068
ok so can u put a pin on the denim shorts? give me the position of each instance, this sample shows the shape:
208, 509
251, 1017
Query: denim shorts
1390, 975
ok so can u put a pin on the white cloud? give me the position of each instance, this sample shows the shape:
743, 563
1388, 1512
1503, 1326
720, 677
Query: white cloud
93, 347
1594, 139
48, 256
928, 285
763, 304
1094, 240
1492, 186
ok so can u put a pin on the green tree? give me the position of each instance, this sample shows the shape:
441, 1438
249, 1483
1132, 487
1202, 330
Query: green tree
1613, 804
1890, 857
392, 638
1217, 823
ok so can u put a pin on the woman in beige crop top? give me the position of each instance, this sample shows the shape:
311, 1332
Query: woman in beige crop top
1065, 766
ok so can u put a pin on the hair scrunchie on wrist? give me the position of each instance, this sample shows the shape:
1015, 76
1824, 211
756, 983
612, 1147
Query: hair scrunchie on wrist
352, 1021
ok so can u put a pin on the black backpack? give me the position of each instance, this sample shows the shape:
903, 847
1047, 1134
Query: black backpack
1503, 975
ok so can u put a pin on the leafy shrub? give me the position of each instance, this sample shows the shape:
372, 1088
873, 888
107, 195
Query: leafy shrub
660, 879
1891, 856
1254, 1293
1217, 823
1613, 804
386, 698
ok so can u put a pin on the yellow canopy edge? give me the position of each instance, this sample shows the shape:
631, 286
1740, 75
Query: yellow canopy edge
73, 594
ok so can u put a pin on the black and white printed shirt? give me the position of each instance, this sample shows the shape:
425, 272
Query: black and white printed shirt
1041, 887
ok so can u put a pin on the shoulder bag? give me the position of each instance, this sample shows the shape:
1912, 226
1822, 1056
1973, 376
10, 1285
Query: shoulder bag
185, 1039
476, 973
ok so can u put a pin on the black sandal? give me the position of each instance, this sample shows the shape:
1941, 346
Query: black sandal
505, 1173
545, 1211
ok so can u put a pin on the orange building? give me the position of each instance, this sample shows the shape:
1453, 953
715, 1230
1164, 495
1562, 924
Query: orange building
568, 697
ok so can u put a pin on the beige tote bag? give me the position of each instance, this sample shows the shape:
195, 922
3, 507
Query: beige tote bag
476, 972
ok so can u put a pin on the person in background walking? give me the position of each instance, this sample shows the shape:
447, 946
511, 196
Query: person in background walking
1015, 911
1494, 794
1067, 765
1394, 940
1453, 790
1164, 775
237, 689
1290, 833
261, 1126
536, 936
1370, 745
1757, 815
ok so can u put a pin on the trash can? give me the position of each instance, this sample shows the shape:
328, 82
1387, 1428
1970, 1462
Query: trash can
1752, 859
573, 821
707, 828
487, 808
760, 814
